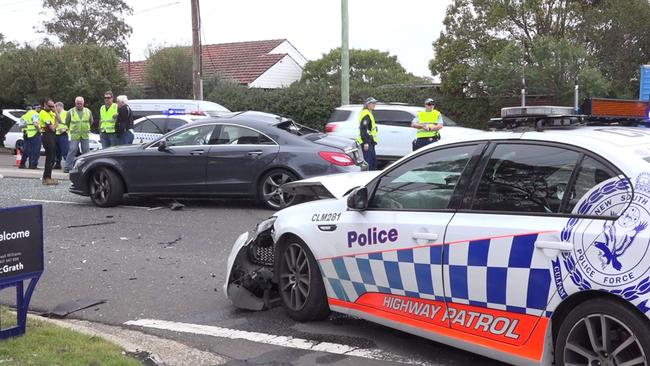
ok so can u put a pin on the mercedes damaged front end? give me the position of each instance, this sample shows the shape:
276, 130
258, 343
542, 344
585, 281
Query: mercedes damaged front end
250, 283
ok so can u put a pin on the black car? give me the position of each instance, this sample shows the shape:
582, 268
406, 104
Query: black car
241, 154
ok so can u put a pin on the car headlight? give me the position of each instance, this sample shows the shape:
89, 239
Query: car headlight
263, 226
78, 162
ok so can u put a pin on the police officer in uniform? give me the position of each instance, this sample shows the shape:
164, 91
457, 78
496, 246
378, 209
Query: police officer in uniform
368, 133
428, 123
62, 143
31, 137
107, 117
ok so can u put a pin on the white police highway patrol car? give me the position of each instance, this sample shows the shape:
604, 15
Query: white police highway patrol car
529, 246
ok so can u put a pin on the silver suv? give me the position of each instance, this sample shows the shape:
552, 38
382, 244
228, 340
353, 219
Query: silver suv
394, 127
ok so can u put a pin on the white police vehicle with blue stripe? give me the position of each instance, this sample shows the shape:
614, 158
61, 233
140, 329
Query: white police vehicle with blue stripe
530, 246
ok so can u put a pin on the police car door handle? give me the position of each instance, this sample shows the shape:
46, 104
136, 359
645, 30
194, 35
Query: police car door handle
553, 248
425, 236
197, 152
255, 153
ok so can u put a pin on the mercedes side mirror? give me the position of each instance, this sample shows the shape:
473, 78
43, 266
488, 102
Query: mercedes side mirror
358, 199
162, 145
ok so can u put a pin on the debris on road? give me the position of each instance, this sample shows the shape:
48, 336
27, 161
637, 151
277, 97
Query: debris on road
64, 309
93, 224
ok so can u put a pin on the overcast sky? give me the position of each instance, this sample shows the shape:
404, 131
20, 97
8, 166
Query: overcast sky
404, 28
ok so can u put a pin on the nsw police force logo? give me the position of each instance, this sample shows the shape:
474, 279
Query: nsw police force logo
610, 253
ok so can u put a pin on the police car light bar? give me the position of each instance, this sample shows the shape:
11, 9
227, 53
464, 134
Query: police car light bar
538, 117
174, 111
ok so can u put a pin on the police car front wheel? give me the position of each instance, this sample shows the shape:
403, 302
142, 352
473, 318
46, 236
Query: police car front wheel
300, 283
603, 332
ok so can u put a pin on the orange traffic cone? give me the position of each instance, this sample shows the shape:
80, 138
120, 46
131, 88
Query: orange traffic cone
19, 157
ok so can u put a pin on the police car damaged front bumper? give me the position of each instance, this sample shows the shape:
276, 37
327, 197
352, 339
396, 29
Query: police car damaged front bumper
250, 283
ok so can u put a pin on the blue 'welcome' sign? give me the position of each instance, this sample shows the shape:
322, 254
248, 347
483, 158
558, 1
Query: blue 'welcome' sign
21, 257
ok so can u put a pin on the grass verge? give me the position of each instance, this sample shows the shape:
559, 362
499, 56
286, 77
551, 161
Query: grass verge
46, 344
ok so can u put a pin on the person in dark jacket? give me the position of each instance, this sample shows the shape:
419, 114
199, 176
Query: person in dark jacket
368, 133
124, 124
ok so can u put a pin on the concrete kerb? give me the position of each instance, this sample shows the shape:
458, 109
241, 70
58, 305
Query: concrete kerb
160, 351
30, 174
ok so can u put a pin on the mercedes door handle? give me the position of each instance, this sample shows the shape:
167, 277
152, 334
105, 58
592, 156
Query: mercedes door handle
425, 236
553, 248
196, 152
255, 154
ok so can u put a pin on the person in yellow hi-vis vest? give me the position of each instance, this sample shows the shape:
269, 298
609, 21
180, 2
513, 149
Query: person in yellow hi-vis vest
78, 120
428, 123
47, 121
368, 133
61, 132
107, 117
31, 137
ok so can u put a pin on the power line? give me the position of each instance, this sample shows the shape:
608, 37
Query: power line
156, 7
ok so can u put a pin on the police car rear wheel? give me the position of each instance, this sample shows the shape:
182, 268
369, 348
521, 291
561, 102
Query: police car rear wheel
106, 188
602, 333
270, 192
301, 284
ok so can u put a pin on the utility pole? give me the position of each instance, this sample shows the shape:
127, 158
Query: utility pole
345, 55
196, 51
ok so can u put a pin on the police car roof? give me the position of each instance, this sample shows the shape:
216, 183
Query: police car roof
623, 146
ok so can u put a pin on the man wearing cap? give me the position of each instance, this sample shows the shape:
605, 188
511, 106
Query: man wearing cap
107, 118
31, 137
368, 133
428, 123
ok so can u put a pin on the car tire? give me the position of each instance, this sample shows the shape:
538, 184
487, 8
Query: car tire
105, 187
300, 283
269, 193
580, 337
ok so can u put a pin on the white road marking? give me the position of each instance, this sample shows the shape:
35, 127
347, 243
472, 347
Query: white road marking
74, 203
282, 341
49, 201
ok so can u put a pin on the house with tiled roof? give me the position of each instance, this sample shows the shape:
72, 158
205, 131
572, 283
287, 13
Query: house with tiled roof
258, 64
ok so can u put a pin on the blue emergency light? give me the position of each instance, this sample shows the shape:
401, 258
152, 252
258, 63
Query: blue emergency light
174, 111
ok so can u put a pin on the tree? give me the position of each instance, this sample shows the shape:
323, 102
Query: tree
169, 72
616, 33
5, 45
593, 38
98, 22
29, 74
367, 67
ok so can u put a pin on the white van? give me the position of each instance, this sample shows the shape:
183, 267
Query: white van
146, 107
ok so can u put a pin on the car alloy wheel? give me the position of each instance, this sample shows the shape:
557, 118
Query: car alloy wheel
602, 340
105, 188
603, 332
272, 194
300, 282
295, 277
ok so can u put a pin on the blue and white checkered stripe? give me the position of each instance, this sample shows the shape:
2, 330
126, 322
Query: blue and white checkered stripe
408, 272
481, 274
505, 274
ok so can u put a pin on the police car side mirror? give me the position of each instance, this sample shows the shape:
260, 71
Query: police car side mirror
162, 145
358, 199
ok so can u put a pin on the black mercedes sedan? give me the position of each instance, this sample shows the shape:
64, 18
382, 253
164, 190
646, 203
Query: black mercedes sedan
240, 154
